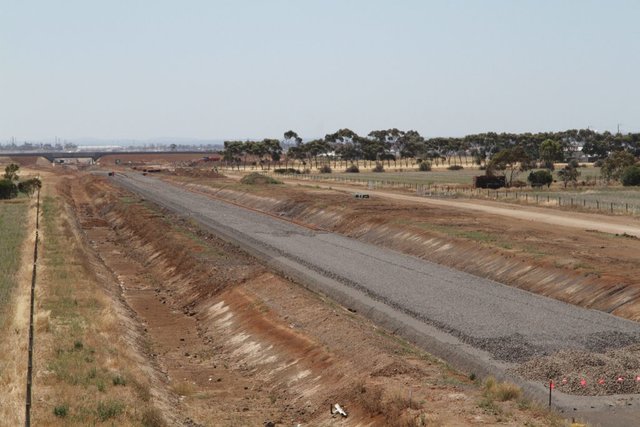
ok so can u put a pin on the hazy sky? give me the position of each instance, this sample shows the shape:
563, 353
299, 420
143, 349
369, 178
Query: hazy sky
240, 68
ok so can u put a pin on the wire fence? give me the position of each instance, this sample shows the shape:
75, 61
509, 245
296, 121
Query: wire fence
523, 196
28, 400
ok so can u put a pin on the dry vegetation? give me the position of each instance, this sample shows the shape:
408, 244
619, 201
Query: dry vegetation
89, 367
13, 230
15, 272
85, 369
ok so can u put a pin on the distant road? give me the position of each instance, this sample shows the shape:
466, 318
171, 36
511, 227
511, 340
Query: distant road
467, 319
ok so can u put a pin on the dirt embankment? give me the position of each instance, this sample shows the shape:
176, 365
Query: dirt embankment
589, 269
240, 345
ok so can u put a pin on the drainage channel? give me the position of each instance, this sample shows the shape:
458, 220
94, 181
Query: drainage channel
27, 417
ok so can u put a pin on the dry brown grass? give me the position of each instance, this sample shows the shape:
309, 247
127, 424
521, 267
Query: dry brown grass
85, 367
501, 391
398, 410
183, 388
15, 283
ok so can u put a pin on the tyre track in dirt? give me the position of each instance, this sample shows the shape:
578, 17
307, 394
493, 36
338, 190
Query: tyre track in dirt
475, 323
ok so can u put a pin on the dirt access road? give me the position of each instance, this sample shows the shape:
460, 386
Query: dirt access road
603, 223
478, 324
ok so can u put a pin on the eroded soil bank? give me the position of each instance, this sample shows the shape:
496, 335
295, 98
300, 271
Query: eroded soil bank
239, 345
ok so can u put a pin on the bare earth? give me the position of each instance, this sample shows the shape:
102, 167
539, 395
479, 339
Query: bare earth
514, 343
224, 329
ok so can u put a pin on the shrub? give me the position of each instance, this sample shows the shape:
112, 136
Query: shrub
152, 417
8, 190
455, 167
378, 168
119, 380
286, 171
574, 163
424, 167
353, 169
109, 409
540, 178
507, 391
29, 186
631, 176
518, 184
598, 163
61, 411
501, 391
325, 169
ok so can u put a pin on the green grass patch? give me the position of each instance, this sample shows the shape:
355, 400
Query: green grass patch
75, 362
109, 409
13, 221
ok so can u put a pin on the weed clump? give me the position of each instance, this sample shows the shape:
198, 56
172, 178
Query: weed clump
109, 409
424, 167
151, 417
288, 171
502, 392
61, 411
119, 380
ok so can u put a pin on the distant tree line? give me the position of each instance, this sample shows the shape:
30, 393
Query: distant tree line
505, 154
394, 145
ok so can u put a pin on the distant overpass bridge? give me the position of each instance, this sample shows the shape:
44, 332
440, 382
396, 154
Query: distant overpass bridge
94, 155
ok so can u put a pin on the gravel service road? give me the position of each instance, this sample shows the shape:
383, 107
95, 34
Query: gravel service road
505, 324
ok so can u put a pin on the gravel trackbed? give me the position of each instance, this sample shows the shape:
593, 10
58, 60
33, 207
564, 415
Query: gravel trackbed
474, 317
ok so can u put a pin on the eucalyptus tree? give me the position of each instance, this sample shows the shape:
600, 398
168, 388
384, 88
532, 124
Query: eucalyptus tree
233, 152
550, 151
510, 160
272, 149
346, 143
569, 174
616, 163
410, 145
384, 143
